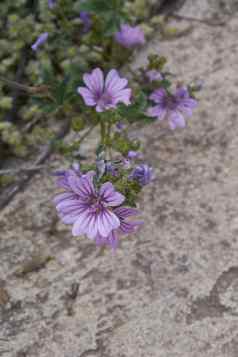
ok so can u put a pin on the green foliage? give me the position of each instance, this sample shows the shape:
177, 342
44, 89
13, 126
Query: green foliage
110, 13
11, 137
136, 111
121, 143
129, 188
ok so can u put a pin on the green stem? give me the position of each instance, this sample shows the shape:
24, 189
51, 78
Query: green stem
103, 133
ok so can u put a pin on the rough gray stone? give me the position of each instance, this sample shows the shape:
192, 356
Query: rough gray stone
172, 290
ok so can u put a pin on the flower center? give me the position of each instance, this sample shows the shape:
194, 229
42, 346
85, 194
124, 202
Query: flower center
96, 205
171, 102
104, 99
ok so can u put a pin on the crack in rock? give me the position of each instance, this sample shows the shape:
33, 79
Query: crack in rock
211, 306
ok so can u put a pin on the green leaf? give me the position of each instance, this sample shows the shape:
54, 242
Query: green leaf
61, 90
134, 112
111, 25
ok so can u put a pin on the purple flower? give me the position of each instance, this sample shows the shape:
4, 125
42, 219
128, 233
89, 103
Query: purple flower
104, 94
63, 175
129, 36
40, 41
86, 19
126, 163
88, 209
154, 75
126, 227
51, 3
172, 107
120, 126
111, 169
133, 154
142, 174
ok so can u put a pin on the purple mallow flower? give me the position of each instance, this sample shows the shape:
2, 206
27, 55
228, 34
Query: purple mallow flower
89, 210
93, 212
143, 174
172, 107
40, 41
120, 126
154, 75
129, 36
134, 155
51, 3
111, 169
86, 19
104, 94
126, 227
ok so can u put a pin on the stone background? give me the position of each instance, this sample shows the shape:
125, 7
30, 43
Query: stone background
172, 291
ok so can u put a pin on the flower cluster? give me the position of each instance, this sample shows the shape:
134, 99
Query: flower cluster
99, 202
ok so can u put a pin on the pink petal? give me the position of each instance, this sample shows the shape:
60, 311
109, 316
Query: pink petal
94, 81
176, 120
88, 96
123, 96
114, 83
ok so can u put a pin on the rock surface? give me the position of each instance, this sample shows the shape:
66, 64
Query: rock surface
173, 290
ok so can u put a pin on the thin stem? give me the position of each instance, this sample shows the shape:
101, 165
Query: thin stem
103, 132
28, 89
108, 140
17, 85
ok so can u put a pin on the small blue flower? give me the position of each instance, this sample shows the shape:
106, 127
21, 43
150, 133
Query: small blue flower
51, 3
142, 174
40, 41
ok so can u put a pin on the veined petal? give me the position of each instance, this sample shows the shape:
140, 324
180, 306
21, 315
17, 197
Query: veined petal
113, 240
158, 95
80, 225
67, 203
176, 120
63, 196
124, 212
123, 96
69, 218
107, 221
94, 81
114, 83
88, 96
128, 227
92, 227
157, 112
109, 196
82, 186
